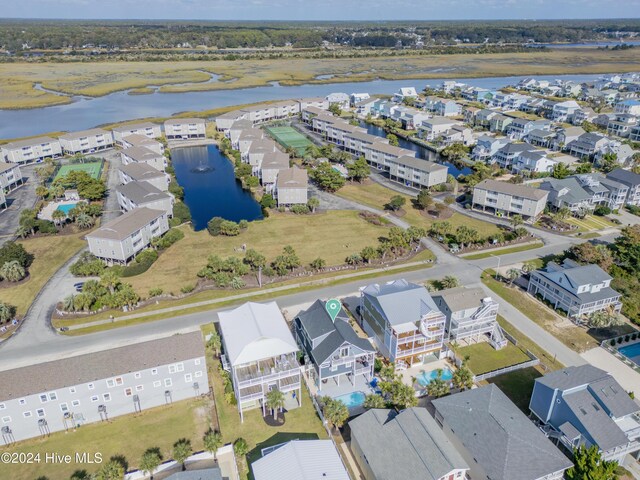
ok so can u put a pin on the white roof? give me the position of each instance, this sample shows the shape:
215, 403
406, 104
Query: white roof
255, 331
301, 460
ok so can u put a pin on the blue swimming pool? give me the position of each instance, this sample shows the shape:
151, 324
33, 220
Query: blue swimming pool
425, 377
632, 352
353, 399
65, 208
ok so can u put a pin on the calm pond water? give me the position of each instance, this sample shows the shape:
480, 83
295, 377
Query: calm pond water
420, 150
210, 186
87, 112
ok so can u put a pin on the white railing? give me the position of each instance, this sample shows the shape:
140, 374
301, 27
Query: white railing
278, 375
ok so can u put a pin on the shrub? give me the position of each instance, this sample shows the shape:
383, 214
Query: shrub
213, 226
15, 251
267, 201
155, 292
181, 212
626, 338
87, 266
229, 228
300, 209
612, 343
147, 255
188, 288
168, 239
602, 210
243, 224
176, 190
142, 263
46, 227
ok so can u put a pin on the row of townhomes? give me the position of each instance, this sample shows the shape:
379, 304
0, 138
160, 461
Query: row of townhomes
65, 394
97, 139
268, 162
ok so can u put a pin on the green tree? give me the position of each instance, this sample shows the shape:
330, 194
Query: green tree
213, 226
608, 162
12, 271
241, 449
466, 235
58, 216
254, 259
80, 475
396, 203
560, 171
215, 343
424, 200
15, 251
318, 263
588, 464
455, 152
150, 461
181, 451
369, 253
212, 441
399, 394
112, 470
353, 259
393, 140
449, 282
7, 312
229, 228
583, 168
512, 275
627, 248
437, 387
327, 178
109, 278
462, 377
516, 221
335, 109
275, 401
84, 221
358, 170
374, 401
335, 412
313, 203
440, 229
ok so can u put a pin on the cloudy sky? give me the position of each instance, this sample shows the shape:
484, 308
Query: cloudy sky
321, 9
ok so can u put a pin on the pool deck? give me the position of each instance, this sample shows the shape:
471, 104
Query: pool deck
427, 367
332, 389
47, 211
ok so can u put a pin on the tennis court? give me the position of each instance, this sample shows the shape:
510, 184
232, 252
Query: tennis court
289, 137
92, 168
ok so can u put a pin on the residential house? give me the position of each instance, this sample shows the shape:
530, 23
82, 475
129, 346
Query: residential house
434, 127
403, 321
256, 153
634, 133
499, 123
541, 138
144, 155
568, 193
292, 186
334, 352
121, 239
318, 102
365, 107
243, 139
604, 191
631, 180
622, 124
583, 114
563, 111
504, 198
483, 118
442, 107
143, 194
578, 290
136, 140
410, 118
565, 136
356, 142
586, 406
630, 106
496, 439
471, 316
3, 200
86, 141
10, 176
356, 98
486, 147
404, 92
236, 128
31, 150
271, 165
142, 172
469, 115
225, 121
527, 163
300, 459
147, 129
184, 128
341, 99
417, 172
261, 355
458, 134
505, 156
587, 145
66, 394
406, 445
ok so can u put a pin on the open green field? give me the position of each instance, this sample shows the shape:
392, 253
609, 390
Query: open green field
504, 251
129, 435
17, 80
591, 223
289, 137
484, 358
92, 168
307, 234
50, 254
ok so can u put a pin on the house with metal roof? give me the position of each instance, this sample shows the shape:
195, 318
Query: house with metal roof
587, 406
578, 290
261, 354
65, 394
406, 445
301, 460
334, 353
403, 320
471, 316
496, 439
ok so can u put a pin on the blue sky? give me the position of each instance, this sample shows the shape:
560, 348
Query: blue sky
322, 9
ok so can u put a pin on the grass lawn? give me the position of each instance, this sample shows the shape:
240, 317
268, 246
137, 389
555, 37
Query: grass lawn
563, 329
518, 386
128, 435
92, 168
300, 423
591, 223
376, 196
50, 254
333, 236
504, 251
484, 358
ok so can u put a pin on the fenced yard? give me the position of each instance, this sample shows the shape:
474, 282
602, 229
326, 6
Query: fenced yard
94, 169
289, 137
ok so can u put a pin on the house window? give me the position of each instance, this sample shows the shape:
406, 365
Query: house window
180, 367
53, 396
137, 375
198, 374
2, 406
106, 397
64, 408
40, 412
128, 392
139, 388
72, 390
6, 419
172, 369
91, 386
167, 382
75, 403
22, 401
111, 383
157, 383
95, 398
344, 351
44, 398
188, 377
333, 368
119, 381
154, 371
197, 361
26, 414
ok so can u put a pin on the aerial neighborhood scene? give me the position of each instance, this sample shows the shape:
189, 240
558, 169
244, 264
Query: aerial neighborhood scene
292, 240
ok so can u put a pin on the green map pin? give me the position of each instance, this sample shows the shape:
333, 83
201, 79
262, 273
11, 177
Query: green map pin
333, 307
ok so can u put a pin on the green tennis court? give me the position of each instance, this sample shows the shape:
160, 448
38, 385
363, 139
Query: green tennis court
92, 168
289, 137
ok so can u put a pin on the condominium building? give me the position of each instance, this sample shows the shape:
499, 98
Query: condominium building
146, 129
292, 187
502, 198
31, 150
86, 141
144, 155
10, 176
143, 194
142, 172
185, 128
136, 140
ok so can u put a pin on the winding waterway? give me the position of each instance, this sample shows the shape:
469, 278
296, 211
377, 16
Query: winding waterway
86, 112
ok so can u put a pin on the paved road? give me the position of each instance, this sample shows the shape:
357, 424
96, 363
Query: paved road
21, 198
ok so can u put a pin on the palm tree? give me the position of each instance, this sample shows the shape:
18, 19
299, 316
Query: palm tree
112, 470
212, 442
84, 221
313, 203
275, 401
335, 411
58, 216
13, 271
151, 459
516, 221
449, 282
110, 279
513, 274
437, 387
215, 343
41, 191
181, 451
374, 401
7, 312
463, 378
69, 304
241, 449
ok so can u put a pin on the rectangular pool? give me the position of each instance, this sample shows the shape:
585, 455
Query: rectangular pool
353, 399
632, 352
425, 377
65, 208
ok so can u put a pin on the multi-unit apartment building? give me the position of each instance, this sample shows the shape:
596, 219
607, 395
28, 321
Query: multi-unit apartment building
142, 172
502, 198
118, 241
31, 150
10, 176
146, 129
403, 321
271, 165
86, 141
65, 394
144, 155
260, 354
471, 316
184, 128
292, 186
143, 194
578, 290
416, 172
136, 140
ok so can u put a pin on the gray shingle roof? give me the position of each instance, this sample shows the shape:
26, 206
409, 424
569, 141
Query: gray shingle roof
29, 142
84, 133
504, 442
141, 171
292, 178
405, 446
141, 154
121, 227
575, 193
626, 177
461, 298
67, 372
141, 192
570, 275
135, 126
419, 164
511, 189
571, 377
206, 474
